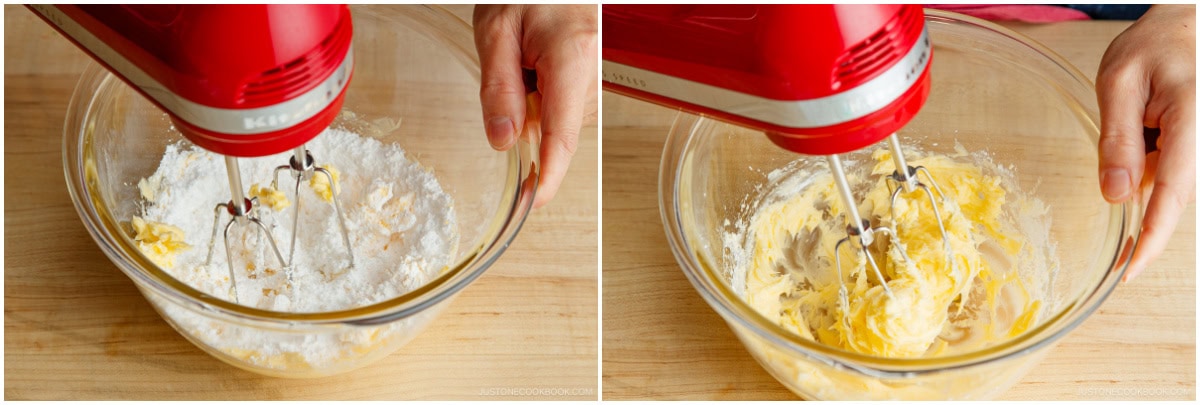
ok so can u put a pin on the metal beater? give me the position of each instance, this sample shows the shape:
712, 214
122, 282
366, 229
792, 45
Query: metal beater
301, 166
860, 234
242, 213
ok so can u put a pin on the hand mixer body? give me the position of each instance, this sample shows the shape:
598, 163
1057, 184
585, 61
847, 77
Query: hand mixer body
818, 79
240, 80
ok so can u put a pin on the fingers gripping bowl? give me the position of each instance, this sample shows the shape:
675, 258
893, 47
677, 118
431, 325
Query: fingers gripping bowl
994, 93
415, 86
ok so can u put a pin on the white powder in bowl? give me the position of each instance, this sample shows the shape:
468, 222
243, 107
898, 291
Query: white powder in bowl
401, 226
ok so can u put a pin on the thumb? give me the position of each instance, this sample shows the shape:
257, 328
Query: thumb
1122, 95
502, 94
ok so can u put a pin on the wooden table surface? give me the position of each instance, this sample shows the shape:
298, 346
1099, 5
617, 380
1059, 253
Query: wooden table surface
76, 328
662, 341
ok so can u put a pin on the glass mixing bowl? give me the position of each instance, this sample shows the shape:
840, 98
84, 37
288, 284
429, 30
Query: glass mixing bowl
993, 90
114, 137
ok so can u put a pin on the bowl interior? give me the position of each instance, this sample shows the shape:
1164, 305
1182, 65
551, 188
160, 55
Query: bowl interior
1032, 113
415, 84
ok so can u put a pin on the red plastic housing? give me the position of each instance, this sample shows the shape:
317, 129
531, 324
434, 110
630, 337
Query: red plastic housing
224, 66
781, 54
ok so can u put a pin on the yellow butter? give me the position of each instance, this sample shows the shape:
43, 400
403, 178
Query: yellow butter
270, 197
320, 183
792, 279
158, 241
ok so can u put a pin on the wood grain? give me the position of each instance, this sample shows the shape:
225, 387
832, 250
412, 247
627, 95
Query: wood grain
662, 341
76, 328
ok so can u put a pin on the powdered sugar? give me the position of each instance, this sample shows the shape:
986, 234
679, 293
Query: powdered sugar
400, 222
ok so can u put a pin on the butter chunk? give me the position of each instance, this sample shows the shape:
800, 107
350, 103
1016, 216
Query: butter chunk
320, 184
158, 241
149, 187
270, 197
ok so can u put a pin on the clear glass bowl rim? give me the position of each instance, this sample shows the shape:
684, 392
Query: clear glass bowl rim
517, 197
708, 281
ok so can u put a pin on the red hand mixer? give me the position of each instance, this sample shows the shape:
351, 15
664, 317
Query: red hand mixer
817, 79
239, 80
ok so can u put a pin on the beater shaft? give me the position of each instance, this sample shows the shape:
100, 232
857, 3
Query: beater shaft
856, 221
906, 179
299, 154
235, 185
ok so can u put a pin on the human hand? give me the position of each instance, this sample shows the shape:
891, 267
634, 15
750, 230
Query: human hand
1147, 78
557, 41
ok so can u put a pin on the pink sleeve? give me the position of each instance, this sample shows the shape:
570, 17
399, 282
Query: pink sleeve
1026, 13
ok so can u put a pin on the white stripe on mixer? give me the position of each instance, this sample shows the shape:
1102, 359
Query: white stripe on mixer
820, 112
223, 120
